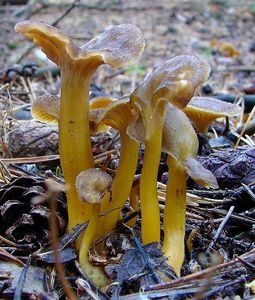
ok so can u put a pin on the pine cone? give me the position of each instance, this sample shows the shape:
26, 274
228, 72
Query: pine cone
232, 167
21, 220
33, 138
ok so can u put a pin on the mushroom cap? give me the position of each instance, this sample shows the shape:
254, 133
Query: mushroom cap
100, 102
203, 110
117, 115
94, 125
179, 140
136, 130
175, 81
53, 42
97, 107
92, 185
200, 174
46, 109
117, 46
228, 49
102, 114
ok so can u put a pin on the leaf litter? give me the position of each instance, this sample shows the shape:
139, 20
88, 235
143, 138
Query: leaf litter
219, 260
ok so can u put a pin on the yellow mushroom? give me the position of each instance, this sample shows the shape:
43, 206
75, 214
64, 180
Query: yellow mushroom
117, 46
46, 109
117, 115
176, 82
104, 112
97, 107
202, 111
228, 49
180, 142
100, 102
91, 186
134, 199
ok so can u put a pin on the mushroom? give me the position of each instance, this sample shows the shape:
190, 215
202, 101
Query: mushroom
117, 46
91, 186
203, 110
176, 82
228, 49
96, 108
100, 102
134, 199
118, 115
104, 112
46, 109
180, 142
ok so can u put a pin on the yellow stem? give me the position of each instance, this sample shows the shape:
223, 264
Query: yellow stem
74, 138
94, 273
148, 182
134, 202
174, 215
121, 185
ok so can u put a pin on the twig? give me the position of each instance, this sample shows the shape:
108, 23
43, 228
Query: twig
84, 285
164, 293
247, 264
247, 221
129, 217
235, 69
218, 232
106, 153
31, 159
4, 168
201, 274
92, 286
26, 88
4, 240
249, 191
37, 159
21, 281
2, 175
224, 286
5, 255
72, 236
18, 171
14, 109
145, 258
54, 241
244, 127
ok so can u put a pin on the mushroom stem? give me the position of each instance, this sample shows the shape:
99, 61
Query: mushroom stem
94, 273
134, 202
148, 181
174, 215
121, 185
134, 197
74, 138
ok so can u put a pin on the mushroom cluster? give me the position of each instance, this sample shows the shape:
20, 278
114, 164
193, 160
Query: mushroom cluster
158, 114
117, 46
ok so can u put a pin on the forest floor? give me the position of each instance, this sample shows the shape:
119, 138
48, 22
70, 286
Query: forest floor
220, 230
